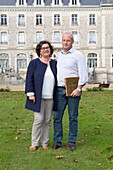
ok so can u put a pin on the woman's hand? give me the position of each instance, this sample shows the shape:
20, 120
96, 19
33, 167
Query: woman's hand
32, 98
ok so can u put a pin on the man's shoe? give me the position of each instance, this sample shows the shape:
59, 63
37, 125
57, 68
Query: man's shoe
55, 146
71, 147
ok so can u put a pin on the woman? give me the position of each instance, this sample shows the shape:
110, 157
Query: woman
40, 88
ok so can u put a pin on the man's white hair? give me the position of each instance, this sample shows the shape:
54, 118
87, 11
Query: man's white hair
68, 34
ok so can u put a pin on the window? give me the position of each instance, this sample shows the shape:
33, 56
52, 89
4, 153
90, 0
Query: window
56, 2
112, 61
21, 61
92, 60
38, 2
21, 2
21, 20
92, 37
3, 19
39, 36
75, 36
56, 36
92, 19
39, 19
3, 38
56, 19
74, 20
4, 61
74, 2
21, 38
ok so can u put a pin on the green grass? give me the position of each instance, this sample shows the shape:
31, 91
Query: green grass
94, 143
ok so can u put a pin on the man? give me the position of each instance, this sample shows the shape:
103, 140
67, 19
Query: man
70, 63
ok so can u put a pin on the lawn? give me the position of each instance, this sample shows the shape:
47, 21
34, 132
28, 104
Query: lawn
94, 147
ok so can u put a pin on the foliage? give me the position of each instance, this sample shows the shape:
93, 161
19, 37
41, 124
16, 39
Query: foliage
95, 89
7, 89
94, 147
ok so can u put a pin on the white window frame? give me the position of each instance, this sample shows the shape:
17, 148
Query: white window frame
23, 60
3, 19
38, 19
92, 38
22, 21
111, 61
3, 37
92, 19
21, 3
74, 17
38, 3
93, 59
75, 36
56, 39
57, 19
40, 37
57, 2
21, 37
4, 61
74, 3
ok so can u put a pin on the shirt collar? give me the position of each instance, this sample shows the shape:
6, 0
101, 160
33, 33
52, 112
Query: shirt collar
70, 51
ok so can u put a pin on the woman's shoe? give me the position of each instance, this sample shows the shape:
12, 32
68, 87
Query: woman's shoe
32, 148
45, 147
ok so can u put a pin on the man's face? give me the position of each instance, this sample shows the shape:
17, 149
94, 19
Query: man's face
67, 42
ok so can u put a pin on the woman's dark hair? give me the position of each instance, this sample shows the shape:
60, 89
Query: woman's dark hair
39, 46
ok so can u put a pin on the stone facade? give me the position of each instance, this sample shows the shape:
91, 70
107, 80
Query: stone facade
103, 48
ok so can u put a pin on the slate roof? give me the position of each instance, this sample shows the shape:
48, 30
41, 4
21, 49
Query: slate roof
107, 1
65, 2
90, 2
48, 2
7, 2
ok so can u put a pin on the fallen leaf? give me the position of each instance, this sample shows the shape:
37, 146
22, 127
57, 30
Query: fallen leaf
16, 138
76, 161
81, 141
99, 164
110, 158
59, 157
107, 149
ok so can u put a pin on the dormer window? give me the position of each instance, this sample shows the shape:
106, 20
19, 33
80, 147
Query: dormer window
74, 2
21, 3
56, 2
38, 2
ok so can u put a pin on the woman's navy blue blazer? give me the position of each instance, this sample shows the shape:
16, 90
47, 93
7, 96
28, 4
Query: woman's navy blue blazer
34, 82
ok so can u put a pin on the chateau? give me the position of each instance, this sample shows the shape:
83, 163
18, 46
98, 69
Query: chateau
23, 23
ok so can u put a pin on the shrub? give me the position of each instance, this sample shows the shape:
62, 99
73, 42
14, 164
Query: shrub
5, 89
95, 89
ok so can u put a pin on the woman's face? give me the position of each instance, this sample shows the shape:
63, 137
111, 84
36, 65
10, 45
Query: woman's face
45, 50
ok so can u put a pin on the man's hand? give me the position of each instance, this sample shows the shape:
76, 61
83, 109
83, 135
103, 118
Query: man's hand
75, 93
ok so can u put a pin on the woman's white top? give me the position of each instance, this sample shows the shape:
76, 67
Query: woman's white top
48, 84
